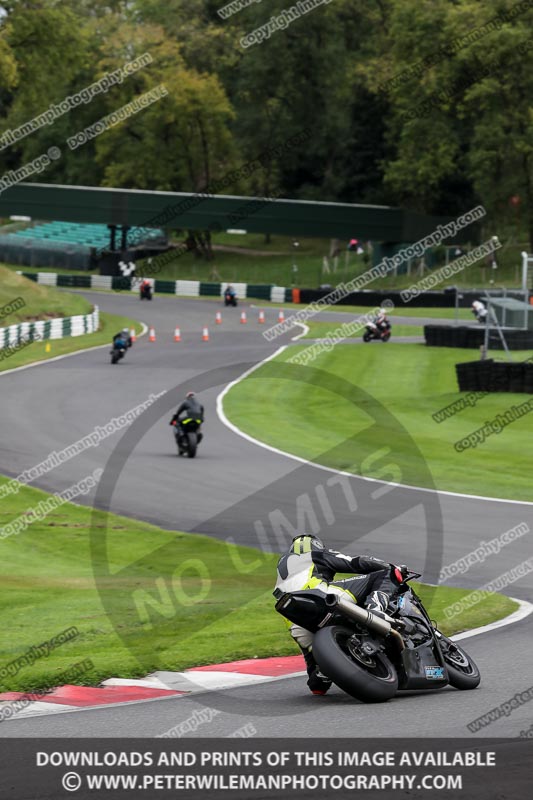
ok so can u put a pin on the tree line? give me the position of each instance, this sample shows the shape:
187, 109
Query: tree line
426, 104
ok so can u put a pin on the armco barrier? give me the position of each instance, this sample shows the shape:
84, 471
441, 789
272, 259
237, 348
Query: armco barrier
58, 328
165, 287
279, 294
80, 281
495, 376
276, 294
474, 337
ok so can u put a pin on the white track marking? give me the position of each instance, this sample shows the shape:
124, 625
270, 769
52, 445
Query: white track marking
524, 611
304, 331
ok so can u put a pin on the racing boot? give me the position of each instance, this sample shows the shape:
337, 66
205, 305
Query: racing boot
317, 682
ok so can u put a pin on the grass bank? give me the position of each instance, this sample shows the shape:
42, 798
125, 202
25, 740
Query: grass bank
323, 329
412, 382
35, 301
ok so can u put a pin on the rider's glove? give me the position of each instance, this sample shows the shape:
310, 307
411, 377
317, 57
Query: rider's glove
399, 573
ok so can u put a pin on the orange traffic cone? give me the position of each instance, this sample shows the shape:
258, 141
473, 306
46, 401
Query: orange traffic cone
177, 335
132, 335
261, 317
218, 318
281, 316
243, 317
205, 335
151, 335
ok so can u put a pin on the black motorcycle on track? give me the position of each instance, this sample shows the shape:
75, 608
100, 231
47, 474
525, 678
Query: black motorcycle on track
188, 436
118, 351
372, 656
145, 291
230, 299
373, 332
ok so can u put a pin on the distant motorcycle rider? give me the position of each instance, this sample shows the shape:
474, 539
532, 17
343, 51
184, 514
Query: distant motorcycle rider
479, 310
190, 407
230, 295
122, 336
145, 289
382, 321
308, 564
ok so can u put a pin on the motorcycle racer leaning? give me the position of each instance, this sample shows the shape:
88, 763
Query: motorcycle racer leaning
124, 337
382, 321
308, 564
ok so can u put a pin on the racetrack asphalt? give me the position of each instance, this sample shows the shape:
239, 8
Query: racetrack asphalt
234, 488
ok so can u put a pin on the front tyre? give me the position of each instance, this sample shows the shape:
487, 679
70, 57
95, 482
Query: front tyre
369, 678
463, 673
367, 336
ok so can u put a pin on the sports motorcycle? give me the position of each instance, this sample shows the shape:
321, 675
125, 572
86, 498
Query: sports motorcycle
118, 351
188, 436
373, 332
371, 656
230, 299
145, 291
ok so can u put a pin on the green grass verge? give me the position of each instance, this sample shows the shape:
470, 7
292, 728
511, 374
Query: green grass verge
48, 585
40, 302
465, 315
60, 270
323, 329
412, 382
37, 351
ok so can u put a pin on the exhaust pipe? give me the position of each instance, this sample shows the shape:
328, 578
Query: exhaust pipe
364, 617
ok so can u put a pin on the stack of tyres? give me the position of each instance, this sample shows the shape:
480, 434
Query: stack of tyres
479, 371
461, 337
516, 377
528, 378
467, 376
499, 377
475, 337
436, 335
484, 375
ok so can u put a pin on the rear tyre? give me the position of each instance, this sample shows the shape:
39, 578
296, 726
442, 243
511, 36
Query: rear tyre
386, 336
463, 672
369, 678
192, 444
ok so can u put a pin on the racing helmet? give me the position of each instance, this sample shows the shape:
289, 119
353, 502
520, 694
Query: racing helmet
189, 394
126, 331
304, 543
